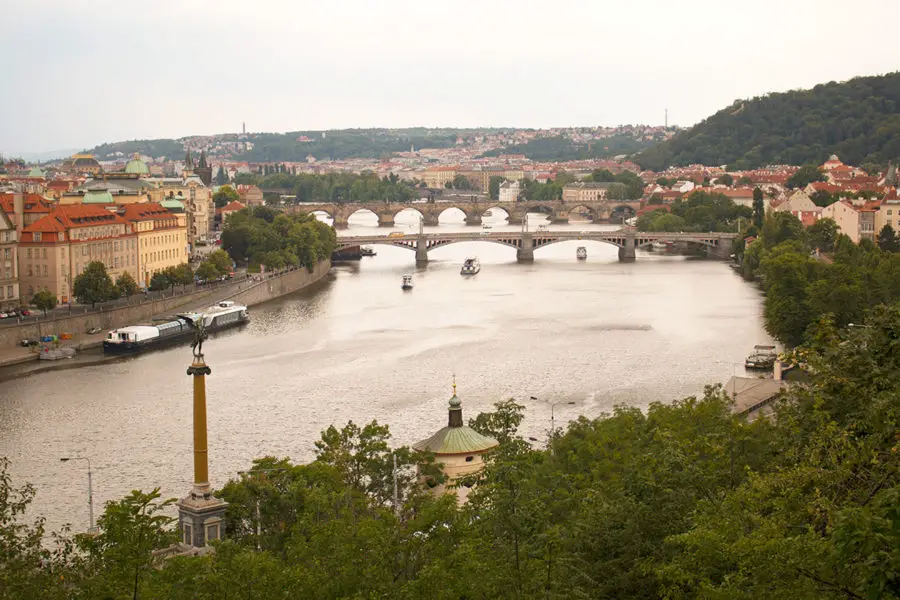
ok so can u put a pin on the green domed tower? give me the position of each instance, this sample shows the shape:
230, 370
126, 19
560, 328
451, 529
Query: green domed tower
137, 166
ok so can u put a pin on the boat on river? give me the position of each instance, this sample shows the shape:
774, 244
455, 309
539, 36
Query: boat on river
406, 283
367, 251
659, 245
581, 253
762, 357
471, 266
135, 338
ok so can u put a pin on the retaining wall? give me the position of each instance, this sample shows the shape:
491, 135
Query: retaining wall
254, 293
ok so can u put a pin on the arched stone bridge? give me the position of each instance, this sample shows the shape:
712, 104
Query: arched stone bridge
556, 210
526, 242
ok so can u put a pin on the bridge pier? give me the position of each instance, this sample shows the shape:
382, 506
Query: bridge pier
421, 251
557, 220
432, 221
525, 252
473, 220
387, 222
626, 252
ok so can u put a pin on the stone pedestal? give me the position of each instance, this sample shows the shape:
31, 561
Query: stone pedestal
201, 519
626, 254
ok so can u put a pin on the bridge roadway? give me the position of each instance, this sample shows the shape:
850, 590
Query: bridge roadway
526, 242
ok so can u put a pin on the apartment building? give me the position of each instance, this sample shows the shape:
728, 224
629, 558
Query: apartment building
585, 192
888, 212
9, 267
58, 247
161, 238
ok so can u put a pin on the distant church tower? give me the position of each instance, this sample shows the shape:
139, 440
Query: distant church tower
188, 164
203, 171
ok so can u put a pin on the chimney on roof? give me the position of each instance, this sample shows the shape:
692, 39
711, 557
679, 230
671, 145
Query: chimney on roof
19, 213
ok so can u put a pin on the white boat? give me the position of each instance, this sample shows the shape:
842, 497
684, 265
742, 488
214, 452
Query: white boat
581, 253
407, 283
489, 213
471, 267
487, 226
56, 353
367, 251
659, 245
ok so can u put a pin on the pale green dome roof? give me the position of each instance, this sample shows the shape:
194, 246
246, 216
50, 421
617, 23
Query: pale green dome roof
456, 438
173, 204
136, 165
97, 197
36, 172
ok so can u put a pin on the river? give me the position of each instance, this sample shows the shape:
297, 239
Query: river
595, 333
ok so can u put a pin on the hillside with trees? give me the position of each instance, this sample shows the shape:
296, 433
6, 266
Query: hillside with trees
562, 148
170, 149
857, 119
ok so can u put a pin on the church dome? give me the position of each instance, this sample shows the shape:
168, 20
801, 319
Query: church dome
36, 172
456, 438
97, 196
136, 165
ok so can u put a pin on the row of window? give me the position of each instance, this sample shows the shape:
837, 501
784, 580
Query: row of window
169, 238
9, 292
7, 236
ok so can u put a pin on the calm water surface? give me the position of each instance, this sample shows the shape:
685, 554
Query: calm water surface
596, 332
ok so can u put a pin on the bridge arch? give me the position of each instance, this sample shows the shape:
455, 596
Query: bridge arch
321, 212
496, 213
623, 210
411, 214
583, 209
543, 209
448, 209
364, 212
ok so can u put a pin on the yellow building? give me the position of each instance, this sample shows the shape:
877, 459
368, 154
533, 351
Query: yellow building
458, 449
81, 163
58, 247
438, 177
162, 239
888, 212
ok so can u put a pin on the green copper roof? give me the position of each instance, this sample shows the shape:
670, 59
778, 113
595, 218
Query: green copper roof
172, 204
456, 438
136, 165
97, 197
36, 172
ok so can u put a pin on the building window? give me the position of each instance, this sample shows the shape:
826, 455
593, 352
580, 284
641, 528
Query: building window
45, 270
37, 236
30, 272
28, 253
212, 532
45, 254
9, 291
187, 532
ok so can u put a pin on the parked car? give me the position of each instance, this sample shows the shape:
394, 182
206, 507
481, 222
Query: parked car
3, 315
27, 343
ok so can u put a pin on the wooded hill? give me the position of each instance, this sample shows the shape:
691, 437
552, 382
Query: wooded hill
858, 119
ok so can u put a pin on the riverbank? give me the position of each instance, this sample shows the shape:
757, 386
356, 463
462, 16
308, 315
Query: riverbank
255, 290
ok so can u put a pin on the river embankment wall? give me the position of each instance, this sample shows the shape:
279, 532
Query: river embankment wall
247, 292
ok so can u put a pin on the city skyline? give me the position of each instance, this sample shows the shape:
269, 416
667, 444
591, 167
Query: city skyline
181, 69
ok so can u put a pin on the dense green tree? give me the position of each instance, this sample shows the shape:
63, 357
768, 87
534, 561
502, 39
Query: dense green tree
159, 281
700, 211
562, 148
887, 239
494, 187
251, 234
221, 261
93, 285
822, 198
822, 234
206, 271
759, 208
787, 270
804, 176
725, 179
126, 285
44, 300
782, 227
224, 195
461, 182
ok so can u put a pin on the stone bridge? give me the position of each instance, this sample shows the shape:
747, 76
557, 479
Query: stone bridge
526, 242
556, 210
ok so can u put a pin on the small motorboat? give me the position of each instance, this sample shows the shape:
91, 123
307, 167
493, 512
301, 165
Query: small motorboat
471, 267
659, 245
407, 283
762, 357
489, 213
367, 251
581, 253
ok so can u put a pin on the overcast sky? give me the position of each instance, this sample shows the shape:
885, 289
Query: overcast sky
75, 74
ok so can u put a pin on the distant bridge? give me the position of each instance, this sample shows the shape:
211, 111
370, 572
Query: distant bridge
430, 212
526, 242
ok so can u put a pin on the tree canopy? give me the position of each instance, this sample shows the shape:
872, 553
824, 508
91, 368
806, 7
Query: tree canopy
701, 211
857, 119
262, 236
94, 284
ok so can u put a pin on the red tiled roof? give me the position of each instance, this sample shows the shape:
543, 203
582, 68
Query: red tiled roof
34, 203
232, 206
70, 216
147, 211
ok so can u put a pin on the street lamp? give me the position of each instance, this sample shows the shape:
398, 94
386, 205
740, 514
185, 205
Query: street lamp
552, 416
258, 516
91, 529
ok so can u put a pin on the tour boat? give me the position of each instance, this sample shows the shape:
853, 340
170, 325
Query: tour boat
407, 283
581, 253
471, 267
139, 337
762, 357
366, 251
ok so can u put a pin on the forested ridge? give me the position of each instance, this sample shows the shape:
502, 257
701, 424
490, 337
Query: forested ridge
682, 500
858, 119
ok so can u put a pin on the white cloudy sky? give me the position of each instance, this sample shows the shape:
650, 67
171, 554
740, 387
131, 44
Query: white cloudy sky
78, 73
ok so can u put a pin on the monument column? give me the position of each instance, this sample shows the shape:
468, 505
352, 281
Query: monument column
201, 516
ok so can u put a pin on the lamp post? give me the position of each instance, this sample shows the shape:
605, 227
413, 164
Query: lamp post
258, 516
91, 529
552, 415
